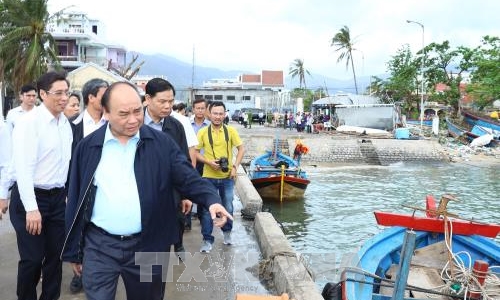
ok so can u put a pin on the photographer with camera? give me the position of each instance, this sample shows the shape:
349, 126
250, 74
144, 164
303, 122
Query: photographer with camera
217, 141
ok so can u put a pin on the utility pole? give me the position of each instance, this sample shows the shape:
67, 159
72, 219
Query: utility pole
422, 74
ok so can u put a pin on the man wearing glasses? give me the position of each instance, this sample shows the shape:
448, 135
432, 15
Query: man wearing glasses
41, 151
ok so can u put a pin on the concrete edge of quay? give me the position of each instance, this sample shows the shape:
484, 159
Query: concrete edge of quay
288, 273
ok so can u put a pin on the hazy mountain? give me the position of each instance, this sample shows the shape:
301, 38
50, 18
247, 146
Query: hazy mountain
180, 74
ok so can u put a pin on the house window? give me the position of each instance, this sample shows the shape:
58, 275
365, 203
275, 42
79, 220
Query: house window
218, 97
63, 48
230, 98
198, 97
209, 97
246, 98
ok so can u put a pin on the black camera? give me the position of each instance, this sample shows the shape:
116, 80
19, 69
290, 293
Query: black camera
224, 164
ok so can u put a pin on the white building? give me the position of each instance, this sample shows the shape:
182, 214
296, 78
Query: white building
80, 39
248, 90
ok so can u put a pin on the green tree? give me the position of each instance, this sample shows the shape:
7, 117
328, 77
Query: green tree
343, 42
485, 83
26, 48
402, 83
297, 70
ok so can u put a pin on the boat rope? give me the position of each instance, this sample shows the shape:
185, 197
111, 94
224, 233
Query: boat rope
463, 281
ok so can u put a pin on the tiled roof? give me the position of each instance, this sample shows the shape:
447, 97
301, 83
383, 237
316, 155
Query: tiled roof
272, 78
250, 78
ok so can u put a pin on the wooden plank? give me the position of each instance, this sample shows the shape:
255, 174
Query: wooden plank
404, 265
427, 278
436, 225
391, 274
432, 256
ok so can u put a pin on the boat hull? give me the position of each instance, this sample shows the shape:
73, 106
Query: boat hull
272, 171
269, 188
480, 121
378, 254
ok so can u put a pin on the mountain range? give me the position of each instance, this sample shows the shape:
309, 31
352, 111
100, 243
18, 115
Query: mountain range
182, 75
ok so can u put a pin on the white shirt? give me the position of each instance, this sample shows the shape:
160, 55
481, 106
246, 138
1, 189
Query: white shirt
89, 125
41, 151
191, 138
5, 148
13, 115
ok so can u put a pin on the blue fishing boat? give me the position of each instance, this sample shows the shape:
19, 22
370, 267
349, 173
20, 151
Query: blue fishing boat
278, 177
457, 131
427, 123
474, 119
438, 263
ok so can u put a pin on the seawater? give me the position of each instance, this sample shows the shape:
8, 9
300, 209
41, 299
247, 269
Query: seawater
336, 215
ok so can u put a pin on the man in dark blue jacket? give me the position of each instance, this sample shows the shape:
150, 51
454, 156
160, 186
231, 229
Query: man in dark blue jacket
120, 199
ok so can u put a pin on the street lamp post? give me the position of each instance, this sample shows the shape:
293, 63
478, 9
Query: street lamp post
422, 74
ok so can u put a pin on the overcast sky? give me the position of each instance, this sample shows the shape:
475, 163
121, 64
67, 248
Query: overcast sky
253, 35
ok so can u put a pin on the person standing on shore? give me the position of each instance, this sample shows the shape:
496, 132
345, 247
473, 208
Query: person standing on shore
27, 97
72, 109
159, 100
217, 141
120, 200
41, 152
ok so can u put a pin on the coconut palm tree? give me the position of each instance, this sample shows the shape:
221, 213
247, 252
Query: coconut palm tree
297, 69
26, 48
342, 40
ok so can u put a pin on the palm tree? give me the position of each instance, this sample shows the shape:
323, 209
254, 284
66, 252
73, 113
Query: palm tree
26, 47
342, 40
297, 69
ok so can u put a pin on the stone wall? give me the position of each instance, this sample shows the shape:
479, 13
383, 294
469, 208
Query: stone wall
326, 149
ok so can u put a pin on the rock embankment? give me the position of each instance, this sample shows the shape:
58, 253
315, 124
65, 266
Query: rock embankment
337, 148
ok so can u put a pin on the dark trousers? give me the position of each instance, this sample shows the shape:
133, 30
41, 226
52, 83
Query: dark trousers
39, 254
105, 258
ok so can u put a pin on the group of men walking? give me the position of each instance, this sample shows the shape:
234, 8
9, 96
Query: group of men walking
114, 182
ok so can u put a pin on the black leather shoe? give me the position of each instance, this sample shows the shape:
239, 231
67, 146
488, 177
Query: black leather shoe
76, 285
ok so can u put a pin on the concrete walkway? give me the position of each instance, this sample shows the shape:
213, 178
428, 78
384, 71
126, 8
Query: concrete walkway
227, 270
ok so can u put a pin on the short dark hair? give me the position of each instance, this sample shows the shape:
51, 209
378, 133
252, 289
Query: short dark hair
76, 95
200, 100
27, 87
216, 104
180, 106
92, 87
107, 93
46, 80
157, 85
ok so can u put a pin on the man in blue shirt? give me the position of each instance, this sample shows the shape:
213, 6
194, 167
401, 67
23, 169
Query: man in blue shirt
120, 199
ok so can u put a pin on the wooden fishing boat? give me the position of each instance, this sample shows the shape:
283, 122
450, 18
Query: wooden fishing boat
455, 130
401, 263
474, 119
278, 177
467, 136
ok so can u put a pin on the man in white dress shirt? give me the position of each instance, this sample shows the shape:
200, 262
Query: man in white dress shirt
27, 97
41, 151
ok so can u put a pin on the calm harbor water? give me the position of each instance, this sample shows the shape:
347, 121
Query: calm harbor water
336, 215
